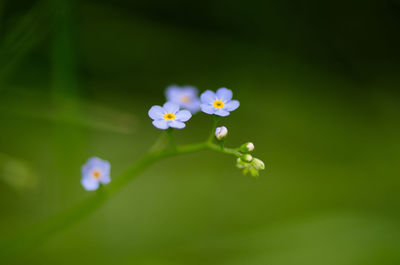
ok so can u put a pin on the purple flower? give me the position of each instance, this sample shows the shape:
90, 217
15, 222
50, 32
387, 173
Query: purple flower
186, 97
219, 103
169, 116
95, 172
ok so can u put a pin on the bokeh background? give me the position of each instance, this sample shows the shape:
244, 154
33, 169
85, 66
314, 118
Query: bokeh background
318, 83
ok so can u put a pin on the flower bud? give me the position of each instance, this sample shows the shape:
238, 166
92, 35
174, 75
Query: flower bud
253, 172
247, 147
258, 164
247, 158
241, 164
221, 133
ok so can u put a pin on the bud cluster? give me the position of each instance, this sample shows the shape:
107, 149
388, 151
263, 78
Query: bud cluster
245, 161
251, 167
248, 163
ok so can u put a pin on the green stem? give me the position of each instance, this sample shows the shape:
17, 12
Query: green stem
171, 137
222, 143
212, 134
41, 232
225, 150
159, 144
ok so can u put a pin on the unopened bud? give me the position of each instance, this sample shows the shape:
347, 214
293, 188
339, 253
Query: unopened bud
247, 158
258, 164
253, 172
241, 164
247, 147
221, 133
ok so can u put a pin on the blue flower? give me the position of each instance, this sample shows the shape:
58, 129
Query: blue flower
95, 172
169, 116
219, 103
185, 96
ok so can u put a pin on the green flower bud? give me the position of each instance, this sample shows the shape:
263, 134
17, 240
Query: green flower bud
253, 172
258, 164
250, 170
241, 164
247, 158
247, 147
250, 165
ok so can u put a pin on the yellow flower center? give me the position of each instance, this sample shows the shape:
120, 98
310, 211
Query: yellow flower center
218, 104
96, 174
185, 99
169, 116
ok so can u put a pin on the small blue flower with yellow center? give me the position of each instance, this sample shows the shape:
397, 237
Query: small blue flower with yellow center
95, 172
186, 97
219, 103
169, 116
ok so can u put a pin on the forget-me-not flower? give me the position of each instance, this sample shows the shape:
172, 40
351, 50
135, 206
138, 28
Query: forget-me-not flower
169, 116
95, 172
219, 103
186, 97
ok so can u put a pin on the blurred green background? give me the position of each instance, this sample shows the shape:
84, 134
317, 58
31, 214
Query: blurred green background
318, 83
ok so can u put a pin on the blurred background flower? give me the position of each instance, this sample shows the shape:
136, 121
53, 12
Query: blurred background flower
186, 97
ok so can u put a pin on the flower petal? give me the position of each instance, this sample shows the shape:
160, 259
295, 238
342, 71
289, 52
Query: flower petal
190, 91
171, 107
183, 115
160, 124
224, 94
172, 93
105, 179
93, 162
177, 124
172, 89
105, 167
156, 112
85, 169
102, 165
194, 108
232, 105
207, 108
207, 97
222, 112
89, 183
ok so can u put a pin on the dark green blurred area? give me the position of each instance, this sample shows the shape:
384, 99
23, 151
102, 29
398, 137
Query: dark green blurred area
318, 85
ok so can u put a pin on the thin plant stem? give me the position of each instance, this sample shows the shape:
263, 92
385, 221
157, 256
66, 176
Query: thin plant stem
212, 133
39, 233
225, 150
170, 132
159, 144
